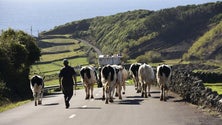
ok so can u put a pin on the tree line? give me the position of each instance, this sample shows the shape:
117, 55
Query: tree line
18, 51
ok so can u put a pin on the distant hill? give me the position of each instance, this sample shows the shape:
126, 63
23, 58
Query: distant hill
208, 46
174, 32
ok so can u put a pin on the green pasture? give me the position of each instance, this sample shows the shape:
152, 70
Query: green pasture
60, 40
51, 61
54, 67
66, 45
60, 48
215, 87
57, 56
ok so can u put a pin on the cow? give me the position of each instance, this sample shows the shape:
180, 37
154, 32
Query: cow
146, 78
119, 79
37, 87
134, 74
108, 78
163, 77
88, 78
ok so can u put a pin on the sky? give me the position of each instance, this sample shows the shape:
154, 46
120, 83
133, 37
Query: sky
46, 14
115, 4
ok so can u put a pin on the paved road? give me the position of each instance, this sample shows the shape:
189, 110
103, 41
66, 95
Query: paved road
89, 44
132, 110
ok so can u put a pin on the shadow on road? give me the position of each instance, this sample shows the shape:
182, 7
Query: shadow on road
154, 92
131, 100
179, 100
158, 97
86, 108
50, 104
52, 94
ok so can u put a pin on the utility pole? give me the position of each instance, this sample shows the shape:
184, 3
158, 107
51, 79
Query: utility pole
31, 30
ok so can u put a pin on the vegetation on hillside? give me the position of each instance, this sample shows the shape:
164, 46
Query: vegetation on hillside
18, 51
171, 31
208, 46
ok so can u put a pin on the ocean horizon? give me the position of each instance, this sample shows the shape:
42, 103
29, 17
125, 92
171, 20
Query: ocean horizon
36, 16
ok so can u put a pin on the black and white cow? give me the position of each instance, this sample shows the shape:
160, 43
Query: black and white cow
88, 78
163, 77
108, 78
37, 87
134, 74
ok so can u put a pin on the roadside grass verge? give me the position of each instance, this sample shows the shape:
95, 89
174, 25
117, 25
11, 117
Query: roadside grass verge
12, 105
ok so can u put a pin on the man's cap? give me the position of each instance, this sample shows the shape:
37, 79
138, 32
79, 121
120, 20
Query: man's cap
65, 61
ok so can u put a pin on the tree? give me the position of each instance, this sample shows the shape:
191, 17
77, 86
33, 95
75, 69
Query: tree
18, 51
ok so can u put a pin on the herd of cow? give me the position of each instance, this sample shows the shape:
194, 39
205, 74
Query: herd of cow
112, 79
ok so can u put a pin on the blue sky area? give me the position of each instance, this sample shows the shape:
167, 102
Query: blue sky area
46, 14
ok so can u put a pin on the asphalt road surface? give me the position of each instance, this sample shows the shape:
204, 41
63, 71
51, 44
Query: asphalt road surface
131, 110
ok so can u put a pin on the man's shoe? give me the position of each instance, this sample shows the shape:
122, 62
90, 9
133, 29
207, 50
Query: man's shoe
67, 104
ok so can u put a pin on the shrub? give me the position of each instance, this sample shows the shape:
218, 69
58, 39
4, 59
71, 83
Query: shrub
150, 57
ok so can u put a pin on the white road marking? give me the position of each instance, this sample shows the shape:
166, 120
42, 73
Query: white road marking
72, 116
84, 106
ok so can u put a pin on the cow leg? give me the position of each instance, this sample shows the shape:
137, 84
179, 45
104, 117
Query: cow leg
149, 86
164, 96
87, 91
103, 97
110, 96
135, 83
145, 90
161, 93
40, 98
111, 92
119, 88
35, 98
36, 103
107, 95
92, 91
142, 92
139, 87
117, 92
124, 87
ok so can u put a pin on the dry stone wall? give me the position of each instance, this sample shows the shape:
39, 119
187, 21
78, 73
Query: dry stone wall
191, 88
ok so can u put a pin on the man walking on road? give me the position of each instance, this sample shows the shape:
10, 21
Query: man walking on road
66, 76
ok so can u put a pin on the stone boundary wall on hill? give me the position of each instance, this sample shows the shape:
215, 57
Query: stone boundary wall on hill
209, 77
192, 89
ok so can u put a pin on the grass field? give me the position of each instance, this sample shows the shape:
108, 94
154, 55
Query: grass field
54, 67
215, 87
51, 61
60, 40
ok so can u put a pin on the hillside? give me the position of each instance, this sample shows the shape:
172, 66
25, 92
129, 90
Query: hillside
208, 46
170, 32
